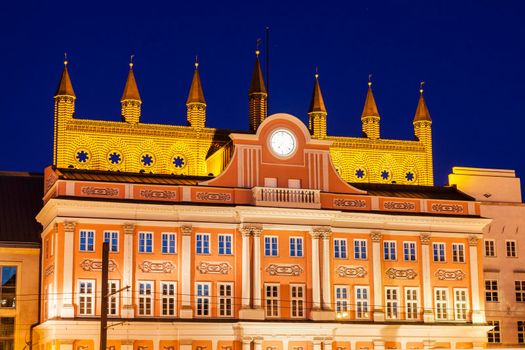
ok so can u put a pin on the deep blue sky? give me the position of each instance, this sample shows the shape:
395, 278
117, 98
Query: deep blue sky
471, 54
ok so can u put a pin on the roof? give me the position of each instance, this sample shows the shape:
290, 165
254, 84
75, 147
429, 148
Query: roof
317, 102
257, 84
64, 86
131, 91
196, 95
20, 202
370, 107
422, 113
414, 191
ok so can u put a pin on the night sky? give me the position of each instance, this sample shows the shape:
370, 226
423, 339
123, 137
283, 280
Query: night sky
471, 54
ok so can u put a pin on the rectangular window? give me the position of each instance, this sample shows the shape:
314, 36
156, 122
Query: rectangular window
491, 290
202, 245
145, 296
168, 298
340, 251
169, 243
392, 302
389, 249
458, 252
46, 302
87, 241
8, 287
225, 296
203, 299
46, 248
112, 238
7, 333
113, 299
225, 244
297, 300
272, 300
519, 286
521, 332
342, 301
270, 246
145, 242
494, 335
511, 249
412, 303
361, 302
86, 297
441, 303
296, 246
360, 249
409, 251
439, 251
490, 247
460, 304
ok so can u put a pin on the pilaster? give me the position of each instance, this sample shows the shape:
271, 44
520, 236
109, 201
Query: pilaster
68, 310
251, 282
186, 309
428, 311
128, 310
477, 315
378, 313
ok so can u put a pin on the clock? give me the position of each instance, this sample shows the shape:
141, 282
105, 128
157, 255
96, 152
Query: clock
282, 143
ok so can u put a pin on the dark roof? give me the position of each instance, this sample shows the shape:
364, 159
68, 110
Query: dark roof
413, 191
20, 202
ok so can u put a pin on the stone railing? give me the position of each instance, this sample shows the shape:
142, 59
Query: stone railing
287, 197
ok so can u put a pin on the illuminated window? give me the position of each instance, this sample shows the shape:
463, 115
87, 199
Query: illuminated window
439, 252
392, 303
169, 243
494, 335
511, 249
296, 246
409, 251
202, 245
145, 242
441, 303
460, 304
86, 297
412, 303
341, 298
491, 290
297, 300
225, 296
203, 299
490, 247
8, 287
521, 332
270, 246
520, 291
361, 302
360, 249
87, 241
272, 300
168, 298
113, 299
145, 297
458, 252
340, 248
225, 244
7, 333
389, 250
112, 238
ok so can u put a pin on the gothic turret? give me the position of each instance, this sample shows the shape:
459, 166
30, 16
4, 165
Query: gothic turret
423, 130
196, 104
257, 96
64, 105
130, 100
317, 112
370, 116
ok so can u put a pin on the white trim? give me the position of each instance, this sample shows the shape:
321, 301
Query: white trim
415, 250
366, 248
338, 239
276, 300
493, 241
441, 307
110, 238
461, 258
457, 303
359, 302
271, 245
147, 297
392, 312
88, 296
416, 302
389, 249
515, 244
444, 252
171, 285
290, 246
115, 297
162, 234
232, 244
145, 240
204, 297
224, 298
301, 300
87, 231
203, 234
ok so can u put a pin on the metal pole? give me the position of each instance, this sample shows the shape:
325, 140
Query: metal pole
268, 69
104, 306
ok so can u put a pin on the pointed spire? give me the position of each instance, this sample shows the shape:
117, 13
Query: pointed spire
370, 107
65, 88
257, 84
422, 113
317, 102
131, 91
196, 95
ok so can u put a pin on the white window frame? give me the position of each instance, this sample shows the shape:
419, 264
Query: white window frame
225, 236
145, 300
342, 303
272, 303
441, 305
358, 249
461, 307
519, 291
411, 303
410, 256
493, 332
491, 292
143, 249
114, 299
203, 249
110, 233
390, 250
225, 301
362, 305
458, 252
296, 252
439, 257
272, 240
168, 298
88, 298
169, 242
491, 245
86, 248
297, 303
203, 300
392, 305
513, 248
340, 250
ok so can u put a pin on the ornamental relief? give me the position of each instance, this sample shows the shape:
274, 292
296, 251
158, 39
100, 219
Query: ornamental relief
222, 268
157, 194
399, 205
400, 274
213, 196
350, 271
450, 275
96, 265
100, 191
447, 208
157, 266
50, 270
284, 269
350, 203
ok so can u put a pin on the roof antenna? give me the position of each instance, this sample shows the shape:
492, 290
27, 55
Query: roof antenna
370, 79
421, 83
131, 61
196, 61
268, 69
65, 59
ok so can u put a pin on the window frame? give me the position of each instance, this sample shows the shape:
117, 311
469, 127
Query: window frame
412, 303
341, 303
224, 298
491, 245
202, 244
392, 306
270, 251
206, 305
146, 297
437, 258
296, 245
299, 301
91, 296
86, 248
389, 252
225, 247
166, 237
9, 291
519, 291
458, 255
438, 304
358, 249
520, 331
275, 300
110, 232
143, 249
494, 332
514, 248
493, 292
362, 305
114, 298
461, 302
167, 297
410, 255
340, 250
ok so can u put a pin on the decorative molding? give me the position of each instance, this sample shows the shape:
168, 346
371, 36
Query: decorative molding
376, 236
473, 241
100, 191
129, 228
96, 265
425, 238
69, 226
50, 270
447, 208
186, 230
399, 205
50, 181
400, 274
214, 196
156, 266
450, 275
349, 203
248, 230
158, 194
284, 269
350, 271
320, 232
222, 268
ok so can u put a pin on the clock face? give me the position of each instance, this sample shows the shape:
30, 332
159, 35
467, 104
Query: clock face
282, 142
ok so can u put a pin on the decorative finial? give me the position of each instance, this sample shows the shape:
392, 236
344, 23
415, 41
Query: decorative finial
131, 61
196, 61
65, 59
370, 79
316, 72
257, 52
421, 83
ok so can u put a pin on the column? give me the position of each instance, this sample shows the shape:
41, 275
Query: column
246, 343
125, 344
256, 232
327, 344
246, 271
379, 314
327, 295
428, 313
127, 272
186, 310
317, 344
66, 344
316, 292
257, 343
68, 309
477, 315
